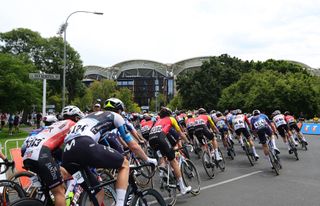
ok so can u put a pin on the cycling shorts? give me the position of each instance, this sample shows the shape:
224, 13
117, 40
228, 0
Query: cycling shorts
262, 134
202, 131
243, 131
282, 129
46, 168
159, 141
85, 152
294, 126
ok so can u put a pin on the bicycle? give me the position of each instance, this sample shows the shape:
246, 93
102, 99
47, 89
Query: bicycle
209, 160
293, 148
273, 156
168, 182
9, 190
249, 151
300, 140
229, 145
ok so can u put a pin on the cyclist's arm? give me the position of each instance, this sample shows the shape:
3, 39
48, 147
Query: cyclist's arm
175, 125
212, 125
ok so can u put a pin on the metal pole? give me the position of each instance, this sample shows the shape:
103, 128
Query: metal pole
44, 94
65, 53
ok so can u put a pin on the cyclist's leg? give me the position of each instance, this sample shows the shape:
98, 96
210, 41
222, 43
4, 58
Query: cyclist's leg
239, 137
283, 134
263, 141
209, 135
247, 135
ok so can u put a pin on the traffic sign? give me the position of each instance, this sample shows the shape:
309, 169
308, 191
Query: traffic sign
37, 76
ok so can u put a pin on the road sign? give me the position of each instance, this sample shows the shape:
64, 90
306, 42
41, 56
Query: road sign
37, 76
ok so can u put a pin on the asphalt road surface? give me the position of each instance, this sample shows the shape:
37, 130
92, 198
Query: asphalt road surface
242, 184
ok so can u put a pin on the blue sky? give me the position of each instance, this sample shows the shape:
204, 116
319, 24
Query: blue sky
172, 30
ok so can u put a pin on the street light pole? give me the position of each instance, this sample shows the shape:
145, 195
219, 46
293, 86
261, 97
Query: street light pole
64, 30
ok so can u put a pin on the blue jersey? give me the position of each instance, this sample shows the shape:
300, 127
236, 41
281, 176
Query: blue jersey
260, 122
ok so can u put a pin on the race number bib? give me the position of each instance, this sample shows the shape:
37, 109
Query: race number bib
238, 124
199, 122
279, 120
156, 129
260, 124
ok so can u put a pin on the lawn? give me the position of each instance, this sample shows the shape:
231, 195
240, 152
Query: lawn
4, 136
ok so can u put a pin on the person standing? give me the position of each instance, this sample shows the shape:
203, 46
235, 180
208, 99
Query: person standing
10, 123
38, 119
3, 120
16, 123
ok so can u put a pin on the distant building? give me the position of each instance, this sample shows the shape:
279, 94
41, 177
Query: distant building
148, 78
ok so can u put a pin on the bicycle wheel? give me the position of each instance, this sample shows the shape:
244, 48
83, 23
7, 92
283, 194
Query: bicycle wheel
197, 148
294, 149
274, 162
190, 176
27, 201
221, 164
230, 149
208, 164
106, 175
148, 197
109, 199
249, 153
10, 192
168, 189
23, 179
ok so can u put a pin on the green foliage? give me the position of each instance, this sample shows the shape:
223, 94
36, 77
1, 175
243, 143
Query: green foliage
47, 56
17, 91
160, 101
126, 96
271, 90
175, 103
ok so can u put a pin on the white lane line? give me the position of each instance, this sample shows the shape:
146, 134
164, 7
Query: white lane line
230, 180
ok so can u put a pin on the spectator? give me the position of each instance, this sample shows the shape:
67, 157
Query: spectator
38, 119
10, 122
3, 120
29, 119
16, 123
96, 107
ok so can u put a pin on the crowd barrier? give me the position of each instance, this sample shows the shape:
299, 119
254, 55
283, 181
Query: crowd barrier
310, 128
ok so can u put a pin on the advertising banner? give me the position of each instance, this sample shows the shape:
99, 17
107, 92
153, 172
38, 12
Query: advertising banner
310, 128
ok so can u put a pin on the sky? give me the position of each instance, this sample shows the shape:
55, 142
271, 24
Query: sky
169, 31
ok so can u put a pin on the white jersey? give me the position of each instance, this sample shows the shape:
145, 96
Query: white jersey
95, 125
279, 120
239, 122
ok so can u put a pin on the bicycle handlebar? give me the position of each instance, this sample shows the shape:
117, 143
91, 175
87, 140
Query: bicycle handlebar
7, 164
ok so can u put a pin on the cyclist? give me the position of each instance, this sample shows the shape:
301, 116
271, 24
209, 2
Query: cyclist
261, 124
159, 140
82, 148
283, 129
202, 121
241, 126
291, 121
181, 119
41, 152
222, 125
146, 125
117, 106
190, 125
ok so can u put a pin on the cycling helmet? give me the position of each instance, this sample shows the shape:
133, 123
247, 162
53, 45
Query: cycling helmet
212, 111
276, 112
49, 120
114, 104
255, 112
218, 114
238, 111
226, 112
71, 112
286, 113
165, 112
146, 116
189, 114
177, 112
202, 111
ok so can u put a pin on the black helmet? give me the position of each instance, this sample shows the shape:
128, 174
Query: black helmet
286, 113
146, 116
189, 114
165, 112
219, 114
114, 104
202, 111
255, 112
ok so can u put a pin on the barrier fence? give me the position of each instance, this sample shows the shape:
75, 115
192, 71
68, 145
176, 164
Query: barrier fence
310, 128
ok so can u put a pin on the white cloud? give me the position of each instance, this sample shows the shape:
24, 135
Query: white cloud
172, 30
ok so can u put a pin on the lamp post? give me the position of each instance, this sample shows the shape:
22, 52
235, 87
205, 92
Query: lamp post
64, 30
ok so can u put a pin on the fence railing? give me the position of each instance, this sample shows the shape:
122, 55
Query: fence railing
18, 143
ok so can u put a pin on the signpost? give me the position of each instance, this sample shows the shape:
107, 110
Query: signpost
43, 76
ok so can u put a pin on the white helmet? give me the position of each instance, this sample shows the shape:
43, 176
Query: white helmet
49, 120
71, 111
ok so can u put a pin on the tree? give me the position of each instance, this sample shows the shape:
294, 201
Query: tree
271, 90
17, 91
175, 103
47, 56
126, 96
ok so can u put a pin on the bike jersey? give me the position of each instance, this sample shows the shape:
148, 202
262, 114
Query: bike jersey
181, 117
51, 137
239, 121
146, 126
164, 125
260, 121
279, 120
290, 119
214, 117
229, 117
190, 122
203, 119
96, 124
129, 125
221, 122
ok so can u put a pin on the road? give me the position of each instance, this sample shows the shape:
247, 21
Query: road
241, 184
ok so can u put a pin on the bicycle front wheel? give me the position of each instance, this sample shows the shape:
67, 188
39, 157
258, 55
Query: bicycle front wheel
10, 192
249, 153
148, 197
190, 176
27, 201
274, 162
